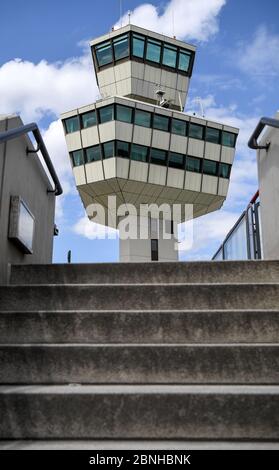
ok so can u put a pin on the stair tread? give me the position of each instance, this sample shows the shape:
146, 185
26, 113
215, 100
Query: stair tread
138, 345
151, 444
151, 311
140, 389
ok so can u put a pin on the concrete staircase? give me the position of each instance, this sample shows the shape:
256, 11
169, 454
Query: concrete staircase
157, 355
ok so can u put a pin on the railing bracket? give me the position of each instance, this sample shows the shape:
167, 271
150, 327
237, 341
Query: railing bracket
33, 151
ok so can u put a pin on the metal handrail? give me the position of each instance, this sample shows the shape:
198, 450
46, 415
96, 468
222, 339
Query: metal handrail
19, 131
264, 121
232, 230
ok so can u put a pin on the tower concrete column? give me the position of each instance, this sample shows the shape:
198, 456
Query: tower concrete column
147, 239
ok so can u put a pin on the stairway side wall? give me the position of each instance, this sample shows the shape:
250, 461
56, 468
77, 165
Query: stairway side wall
23, 175
268, 170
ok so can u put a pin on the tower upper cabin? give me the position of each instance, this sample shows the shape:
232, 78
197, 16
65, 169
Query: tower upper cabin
136, 63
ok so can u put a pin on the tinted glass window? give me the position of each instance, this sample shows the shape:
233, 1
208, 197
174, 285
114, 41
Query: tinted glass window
93, 154
212, 135
108, 149
121, 47
142, 118
78, 158
123, 113
89, 119
122, 149
154, 250
224, 170
169, 56
193, 164
161, 122
184, 61
72, 124
176, 160
139, 153
210, 167
196, 131
104, 53
153, 51
138, 46
106, 114
179, 127
228, 139
158, 156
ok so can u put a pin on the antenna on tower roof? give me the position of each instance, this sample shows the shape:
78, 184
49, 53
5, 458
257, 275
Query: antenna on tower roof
199, 101
120, 7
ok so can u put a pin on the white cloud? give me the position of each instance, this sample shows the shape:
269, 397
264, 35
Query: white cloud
260, 56
85, 228
55, 142
192, 19
208, 230
56, 145
34, 90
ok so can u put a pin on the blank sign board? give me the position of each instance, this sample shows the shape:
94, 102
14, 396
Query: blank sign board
22, 224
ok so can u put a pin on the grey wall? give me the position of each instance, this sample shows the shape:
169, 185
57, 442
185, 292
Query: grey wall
22, 175
268, 169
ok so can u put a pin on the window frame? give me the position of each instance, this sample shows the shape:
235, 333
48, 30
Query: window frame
146, 112
229, 170
161, 116
72, 157
117, 39
199, 171
176, 166
170, 47
93, 146
116, 147
84, 114
138, 36
158, 162
199, 125
183, 51
141, 146
155, 42
219, 135
206, 160
163, 44
231, 133
104, 107
100, 46
77, 117
103, 149
123, 106
186, 123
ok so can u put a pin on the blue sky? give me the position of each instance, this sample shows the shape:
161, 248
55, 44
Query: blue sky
46, 69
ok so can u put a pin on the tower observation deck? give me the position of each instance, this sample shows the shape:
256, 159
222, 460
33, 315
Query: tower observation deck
137, 145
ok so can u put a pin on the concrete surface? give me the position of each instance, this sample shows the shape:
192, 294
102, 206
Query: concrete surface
157, 327
144, 364
24, 176
139, 412
147, 273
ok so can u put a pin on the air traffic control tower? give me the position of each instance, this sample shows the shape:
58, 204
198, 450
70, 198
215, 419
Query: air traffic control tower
137, 144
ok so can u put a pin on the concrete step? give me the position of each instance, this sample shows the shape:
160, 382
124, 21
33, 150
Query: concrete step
135, 445
215, 326
140, 412
150, 364
144, 297
140, 273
